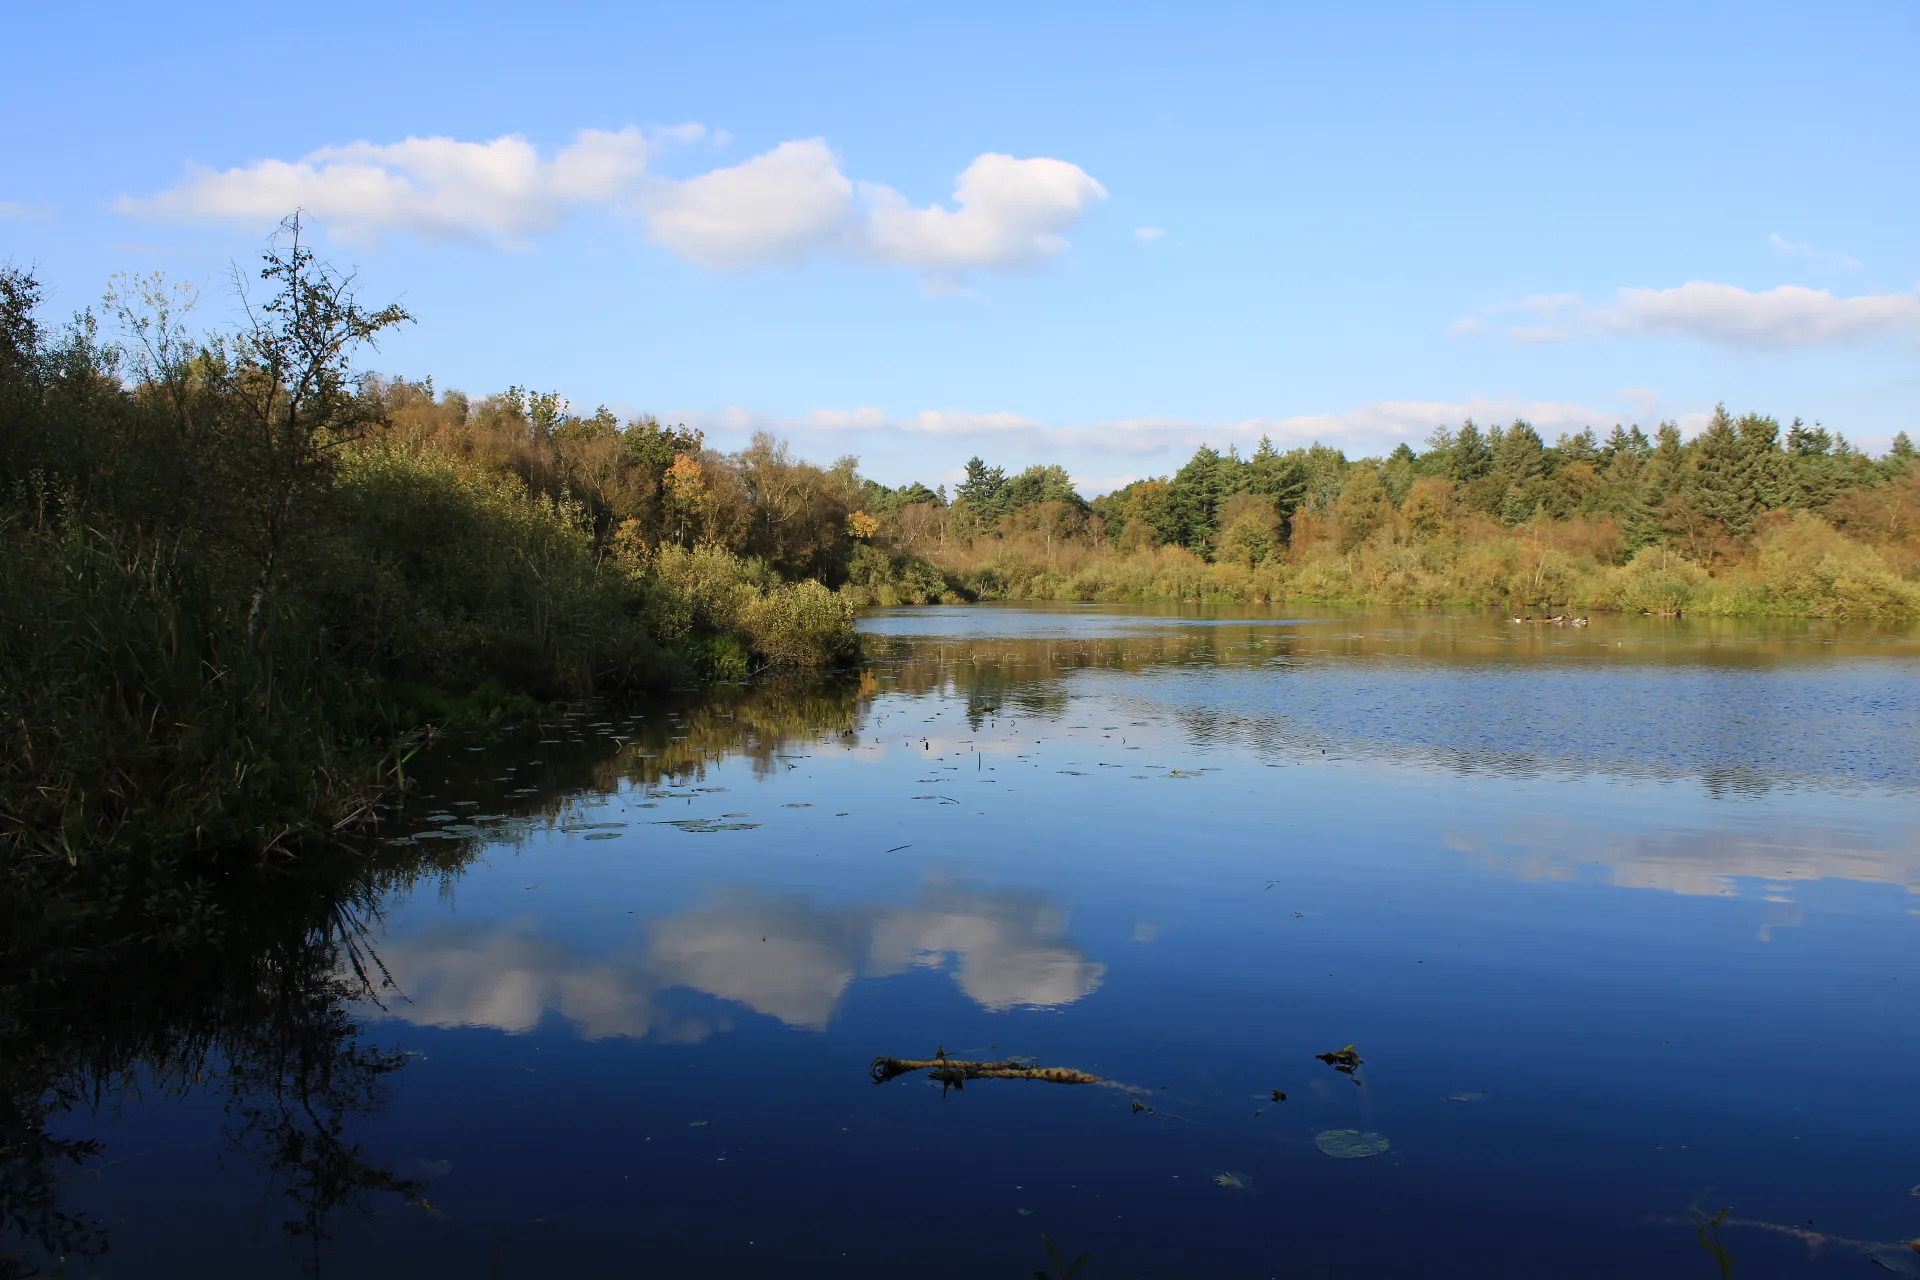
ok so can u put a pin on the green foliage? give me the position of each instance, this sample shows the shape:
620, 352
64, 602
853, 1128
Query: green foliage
1494, 517
1041, 484
877, 577
1062, 1269
727, 610
235, 578
1655, 581
984, 489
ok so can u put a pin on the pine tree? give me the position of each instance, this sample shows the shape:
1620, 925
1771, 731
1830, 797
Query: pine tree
1471, 458
1767, 475
984, 489
1280, 477
1723, 483
1521, 460
1662, 477
1196, 494
1399, 471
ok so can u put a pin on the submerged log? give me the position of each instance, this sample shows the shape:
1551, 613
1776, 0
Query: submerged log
952, 1071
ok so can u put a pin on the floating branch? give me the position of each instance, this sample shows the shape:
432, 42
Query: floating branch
955, 1073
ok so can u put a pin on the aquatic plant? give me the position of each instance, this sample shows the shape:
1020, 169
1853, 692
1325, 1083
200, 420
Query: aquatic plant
1062, 1270
1707, 1230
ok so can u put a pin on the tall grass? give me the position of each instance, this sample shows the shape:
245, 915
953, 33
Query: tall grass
232, 596
1802, 566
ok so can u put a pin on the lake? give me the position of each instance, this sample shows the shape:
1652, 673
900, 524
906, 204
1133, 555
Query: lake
1619, 921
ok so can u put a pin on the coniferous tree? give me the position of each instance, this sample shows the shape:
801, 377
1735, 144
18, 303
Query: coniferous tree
1663, 480
1281, 478
1521, 461
984, 489
1195, 494
1399, 471
1764, 463
1723, 475
1471, 457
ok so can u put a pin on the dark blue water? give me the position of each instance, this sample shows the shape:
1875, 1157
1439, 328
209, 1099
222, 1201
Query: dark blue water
1622, 921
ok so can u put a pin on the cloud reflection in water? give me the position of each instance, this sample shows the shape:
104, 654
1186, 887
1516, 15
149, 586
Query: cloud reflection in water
777, 954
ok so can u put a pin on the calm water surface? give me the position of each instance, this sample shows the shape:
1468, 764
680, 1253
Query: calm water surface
1622, 921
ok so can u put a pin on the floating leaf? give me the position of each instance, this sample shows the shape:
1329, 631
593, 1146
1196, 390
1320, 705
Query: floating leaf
1350, 1144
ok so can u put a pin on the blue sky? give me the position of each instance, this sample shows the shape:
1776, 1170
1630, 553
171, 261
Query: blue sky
1096, 235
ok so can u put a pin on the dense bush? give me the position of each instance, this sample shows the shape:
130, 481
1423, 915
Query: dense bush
235, 577
1743, 518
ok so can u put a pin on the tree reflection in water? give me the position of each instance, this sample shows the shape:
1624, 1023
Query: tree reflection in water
183, 974
258, 1008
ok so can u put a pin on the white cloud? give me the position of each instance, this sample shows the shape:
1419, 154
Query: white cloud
1644, 399
777, 207
776, 954
938, 422
1786, 316
439, 189
1148, 233
14, 210
1012, 213
1821, 257
689, 132
1367, 429
780, 206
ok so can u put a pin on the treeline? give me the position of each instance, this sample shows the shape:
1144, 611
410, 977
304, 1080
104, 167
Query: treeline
236, 574
1742, 518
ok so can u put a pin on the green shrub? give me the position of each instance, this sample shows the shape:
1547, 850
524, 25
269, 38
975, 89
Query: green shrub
1654, 581
801, 625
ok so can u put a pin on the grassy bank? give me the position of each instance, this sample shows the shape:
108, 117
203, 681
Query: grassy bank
1801, 567
1739, 521
239, 580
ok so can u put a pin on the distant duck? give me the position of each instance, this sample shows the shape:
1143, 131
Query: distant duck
1581, 622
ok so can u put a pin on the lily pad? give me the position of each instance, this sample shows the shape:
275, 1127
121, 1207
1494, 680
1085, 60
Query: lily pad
1350, 1144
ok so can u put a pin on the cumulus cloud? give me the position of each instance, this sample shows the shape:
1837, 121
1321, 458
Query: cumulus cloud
1149, 233
781, 206
777, 207
1012, 213
439, 189
1782, 317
